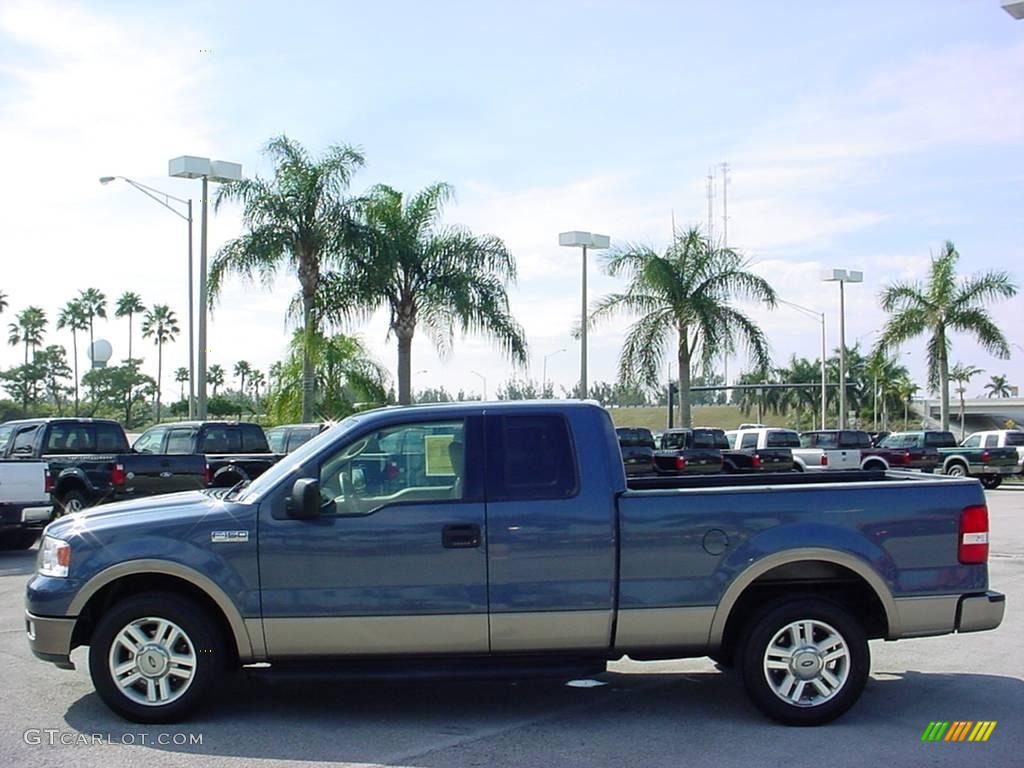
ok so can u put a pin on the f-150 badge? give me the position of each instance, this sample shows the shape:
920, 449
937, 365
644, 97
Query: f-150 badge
229, 537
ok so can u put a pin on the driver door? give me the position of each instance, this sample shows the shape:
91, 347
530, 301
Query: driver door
396, 563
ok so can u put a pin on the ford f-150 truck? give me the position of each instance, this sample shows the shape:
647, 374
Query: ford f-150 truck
884, 456
688, 451
989, 465
744, 455
999, 438
506, 540
25, 505
90, 462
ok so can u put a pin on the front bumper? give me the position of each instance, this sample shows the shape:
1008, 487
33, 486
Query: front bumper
976, 613
49, 638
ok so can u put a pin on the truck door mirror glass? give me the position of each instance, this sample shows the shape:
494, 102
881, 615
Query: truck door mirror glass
304, 502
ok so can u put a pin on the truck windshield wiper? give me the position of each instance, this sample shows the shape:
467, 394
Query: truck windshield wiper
236, 488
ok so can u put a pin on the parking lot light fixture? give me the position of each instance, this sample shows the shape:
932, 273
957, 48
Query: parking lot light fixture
842, 276
584, 240
544, 377
192, 167
484, 380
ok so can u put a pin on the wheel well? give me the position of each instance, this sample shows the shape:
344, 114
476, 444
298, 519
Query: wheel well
875, 464
136, 584
954, 461
226, 478
813, 578
68, 484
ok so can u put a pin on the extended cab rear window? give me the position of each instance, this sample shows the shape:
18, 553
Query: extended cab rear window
1012, 438
530, 457
940, 440
707, 438
782, 439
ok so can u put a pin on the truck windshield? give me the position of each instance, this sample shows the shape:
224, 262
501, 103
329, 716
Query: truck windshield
293, 461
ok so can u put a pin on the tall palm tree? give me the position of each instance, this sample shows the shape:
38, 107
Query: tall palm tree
215, 377
256, 380
29, 329
160, 324
300, 219
73, 317
906, 389
962, 375
998, 386
129, 304
242, 369
181, 377
424, 273
686, 293
94, 302
946, 304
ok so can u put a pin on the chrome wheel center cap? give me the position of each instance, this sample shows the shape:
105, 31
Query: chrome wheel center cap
152, 661
806, 664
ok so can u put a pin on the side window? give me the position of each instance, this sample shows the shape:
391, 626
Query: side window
220, 439
180, 441
531, 457
24, 441
826, 440
673, 441
69, 438
991, 441
253, 439
5, 436
149, 442
110, 439
749, 440
974, 441
275, 439
406, 463
300, 437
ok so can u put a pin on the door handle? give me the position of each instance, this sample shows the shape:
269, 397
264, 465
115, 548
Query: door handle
460, 536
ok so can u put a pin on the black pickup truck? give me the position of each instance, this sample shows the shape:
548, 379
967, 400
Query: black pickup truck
90, 462
637, 447
741, 455
233, 451
688, 452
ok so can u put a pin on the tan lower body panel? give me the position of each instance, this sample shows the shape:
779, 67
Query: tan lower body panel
373, 635
551, 631
664, 628
923, 616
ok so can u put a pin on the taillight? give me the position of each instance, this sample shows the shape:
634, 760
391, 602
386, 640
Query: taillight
117, 476
973, 535
680, 463
208, 475
986, 457
755, 462
824, 459
905, 457
48, 483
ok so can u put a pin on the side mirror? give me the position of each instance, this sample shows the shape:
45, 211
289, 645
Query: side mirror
304, 502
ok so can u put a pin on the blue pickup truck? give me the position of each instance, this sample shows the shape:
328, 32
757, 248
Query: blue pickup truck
499, 539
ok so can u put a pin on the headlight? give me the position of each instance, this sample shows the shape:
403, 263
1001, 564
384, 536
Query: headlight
54, 557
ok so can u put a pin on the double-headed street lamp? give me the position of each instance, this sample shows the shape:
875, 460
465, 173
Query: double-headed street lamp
189, 167
824, 380
544, 378
583, 240
842, 276
165, 200
483, 379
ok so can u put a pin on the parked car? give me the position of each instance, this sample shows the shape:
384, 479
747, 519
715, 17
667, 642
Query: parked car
989, 465
637, 447
515, 544
688, 452
743, 454
25, 505
999, 438
827, 451
882, 458
287, 437
233, 451
89, 462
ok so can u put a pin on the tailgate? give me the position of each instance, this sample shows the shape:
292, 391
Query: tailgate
23, 482
843, 458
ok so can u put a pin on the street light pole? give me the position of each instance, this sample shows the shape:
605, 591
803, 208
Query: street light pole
544, 378
156, 194
203, 298
842, 276
820, 316
483, 379
583, 240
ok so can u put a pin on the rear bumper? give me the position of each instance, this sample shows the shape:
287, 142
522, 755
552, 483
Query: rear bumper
986, 469
976, 613
34, 515
50, 638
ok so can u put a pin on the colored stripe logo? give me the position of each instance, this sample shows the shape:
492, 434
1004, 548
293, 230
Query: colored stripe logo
958, 730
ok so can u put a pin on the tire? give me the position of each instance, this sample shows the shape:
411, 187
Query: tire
956, 469
822, 692
724, 661
991, 482
72, 501
168, 623
14, 540
875, 466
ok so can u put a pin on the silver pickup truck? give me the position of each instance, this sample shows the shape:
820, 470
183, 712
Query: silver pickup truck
25, 505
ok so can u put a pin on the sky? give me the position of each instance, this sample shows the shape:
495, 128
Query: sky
859, 135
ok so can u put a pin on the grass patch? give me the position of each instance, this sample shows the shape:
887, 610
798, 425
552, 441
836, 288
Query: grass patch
721, 416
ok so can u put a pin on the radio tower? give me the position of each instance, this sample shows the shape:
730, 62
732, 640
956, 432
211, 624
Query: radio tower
711, 202
725, 205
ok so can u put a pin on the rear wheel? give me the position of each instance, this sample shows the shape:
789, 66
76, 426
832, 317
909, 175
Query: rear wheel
805, 661
956, 469
991, 482
72, 501
154, 657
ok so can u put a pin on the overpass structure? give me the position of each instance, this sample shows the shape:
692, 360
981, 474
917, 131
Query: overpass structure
979, 413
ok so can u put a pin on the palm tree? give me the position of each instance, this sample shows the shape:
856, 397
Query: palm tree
998, 386
686, 293
28, 330
422, 272
257, 380
242, 369
300, 219
161, 325
3, 302
215, 377
94, 303
906, 389
181, 377
962, 375
946, 304
72, 316
129, 304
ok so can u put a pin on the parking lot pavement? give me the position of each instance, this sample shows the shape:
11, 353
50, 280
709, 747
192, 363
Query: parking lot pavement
665, 713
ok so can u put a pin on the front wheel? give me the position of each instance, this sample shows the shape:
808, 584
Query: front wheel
154, 657
804, 661
991, 482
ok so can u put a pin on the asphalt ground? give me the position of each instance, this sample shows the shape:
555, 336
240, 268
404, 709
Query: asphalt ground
677, 713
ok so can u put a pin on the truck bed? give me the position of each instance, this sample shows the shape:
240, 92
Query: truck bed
670, 482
